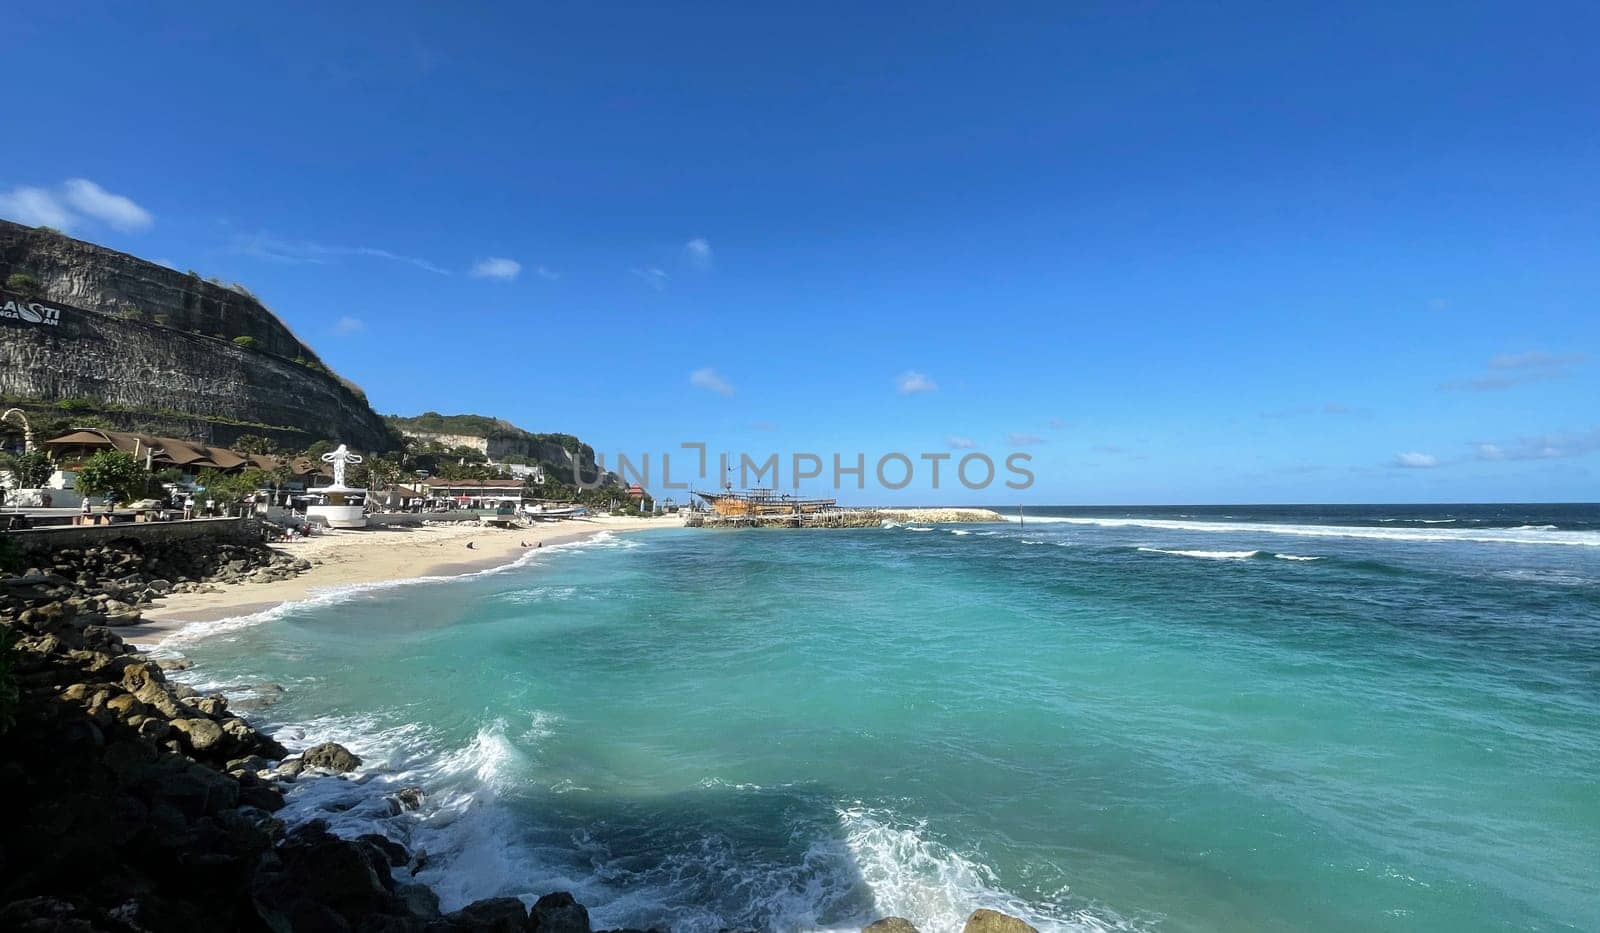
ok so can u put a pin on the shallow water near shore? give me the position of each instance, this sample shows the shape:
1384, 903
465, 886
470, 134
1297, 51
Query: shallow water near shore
1297, 718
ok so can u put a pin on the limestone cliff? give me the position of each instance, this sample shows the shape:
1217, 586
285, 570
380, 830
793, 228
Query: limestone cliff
501, 441
141, 340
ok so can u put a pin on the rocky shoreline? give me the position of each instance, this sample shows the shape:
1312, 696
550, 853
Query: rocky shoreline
136, 804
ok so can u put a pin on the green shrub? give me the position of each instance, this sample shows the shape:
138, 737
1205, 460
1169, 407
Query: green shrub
247, 342
31, 469
113, 473
231, 488
254, 444
130, 313
75, 404
23, 284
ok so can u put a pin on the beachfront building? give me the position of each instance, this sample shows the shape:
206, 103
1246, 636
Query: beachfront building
190, 458
158, 453
475, 493
399, 498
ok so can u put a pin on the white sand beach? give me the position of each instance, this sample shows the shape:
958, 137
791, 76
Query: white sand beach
374, 555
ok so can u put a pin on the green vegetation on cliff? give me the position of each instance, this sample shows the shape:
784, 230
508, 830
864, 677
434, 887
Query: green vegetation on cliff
431, 422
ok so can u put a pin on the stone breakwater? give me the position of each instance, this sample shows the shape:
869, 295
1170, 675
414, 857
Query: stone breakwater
940, 515
137, 805
109, 584
841, 518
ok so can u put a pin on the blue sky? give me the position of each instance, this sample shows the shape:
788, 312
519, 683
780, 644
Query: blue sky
1174, 253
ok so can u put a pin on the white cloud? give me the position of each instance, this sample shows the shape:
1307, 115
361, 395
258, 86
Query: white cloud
1543, 447
545, 272
1023, 440
497, 267
1514, 369
347, 325
75, 201
710, 380
264, 246
912, 382
699, 251
962, 443
1534, 359
1327, 408
423, 264
114, 210
653, 277
1416, 461
35, 207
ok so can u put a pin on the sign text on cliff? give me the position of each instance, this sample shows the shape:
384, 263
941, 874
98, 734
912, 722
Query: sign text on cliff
16, 308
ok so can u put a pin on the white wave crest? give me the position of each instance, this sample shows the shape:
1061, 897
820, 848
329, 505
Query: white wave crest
1226, 555
936, 888
1527, 534
1207, 555
1553, 577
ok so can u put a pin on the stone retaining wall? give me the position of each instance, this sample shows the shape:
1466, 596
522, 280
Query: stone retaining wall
44, 540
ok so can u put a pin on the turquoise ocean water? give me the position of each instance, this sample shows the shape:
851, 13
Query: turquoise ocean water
1308, 718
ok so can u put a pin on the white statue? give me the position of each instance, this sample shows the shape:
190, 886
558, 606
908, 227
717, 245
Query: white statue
339, 458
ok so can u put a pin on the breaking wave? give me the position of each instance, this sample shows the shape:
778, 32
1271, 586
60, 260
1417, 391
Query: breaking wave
1524, 534
853, 864
1226, 555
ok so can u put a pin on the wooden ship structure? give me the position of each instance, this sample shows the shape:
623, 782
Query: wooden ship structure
768, 508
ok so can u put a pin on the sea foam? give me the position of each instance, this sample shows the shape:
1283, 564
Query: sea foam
1526, 534
1226, 555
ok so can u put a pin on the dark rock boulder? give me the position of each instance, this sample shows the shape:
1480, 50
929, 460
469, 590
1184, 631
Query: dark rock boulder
492, 915
993, 921
393, 852
54, 915
559, 913
316, 881
420, 899
332, 756
408, 798
200, 736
